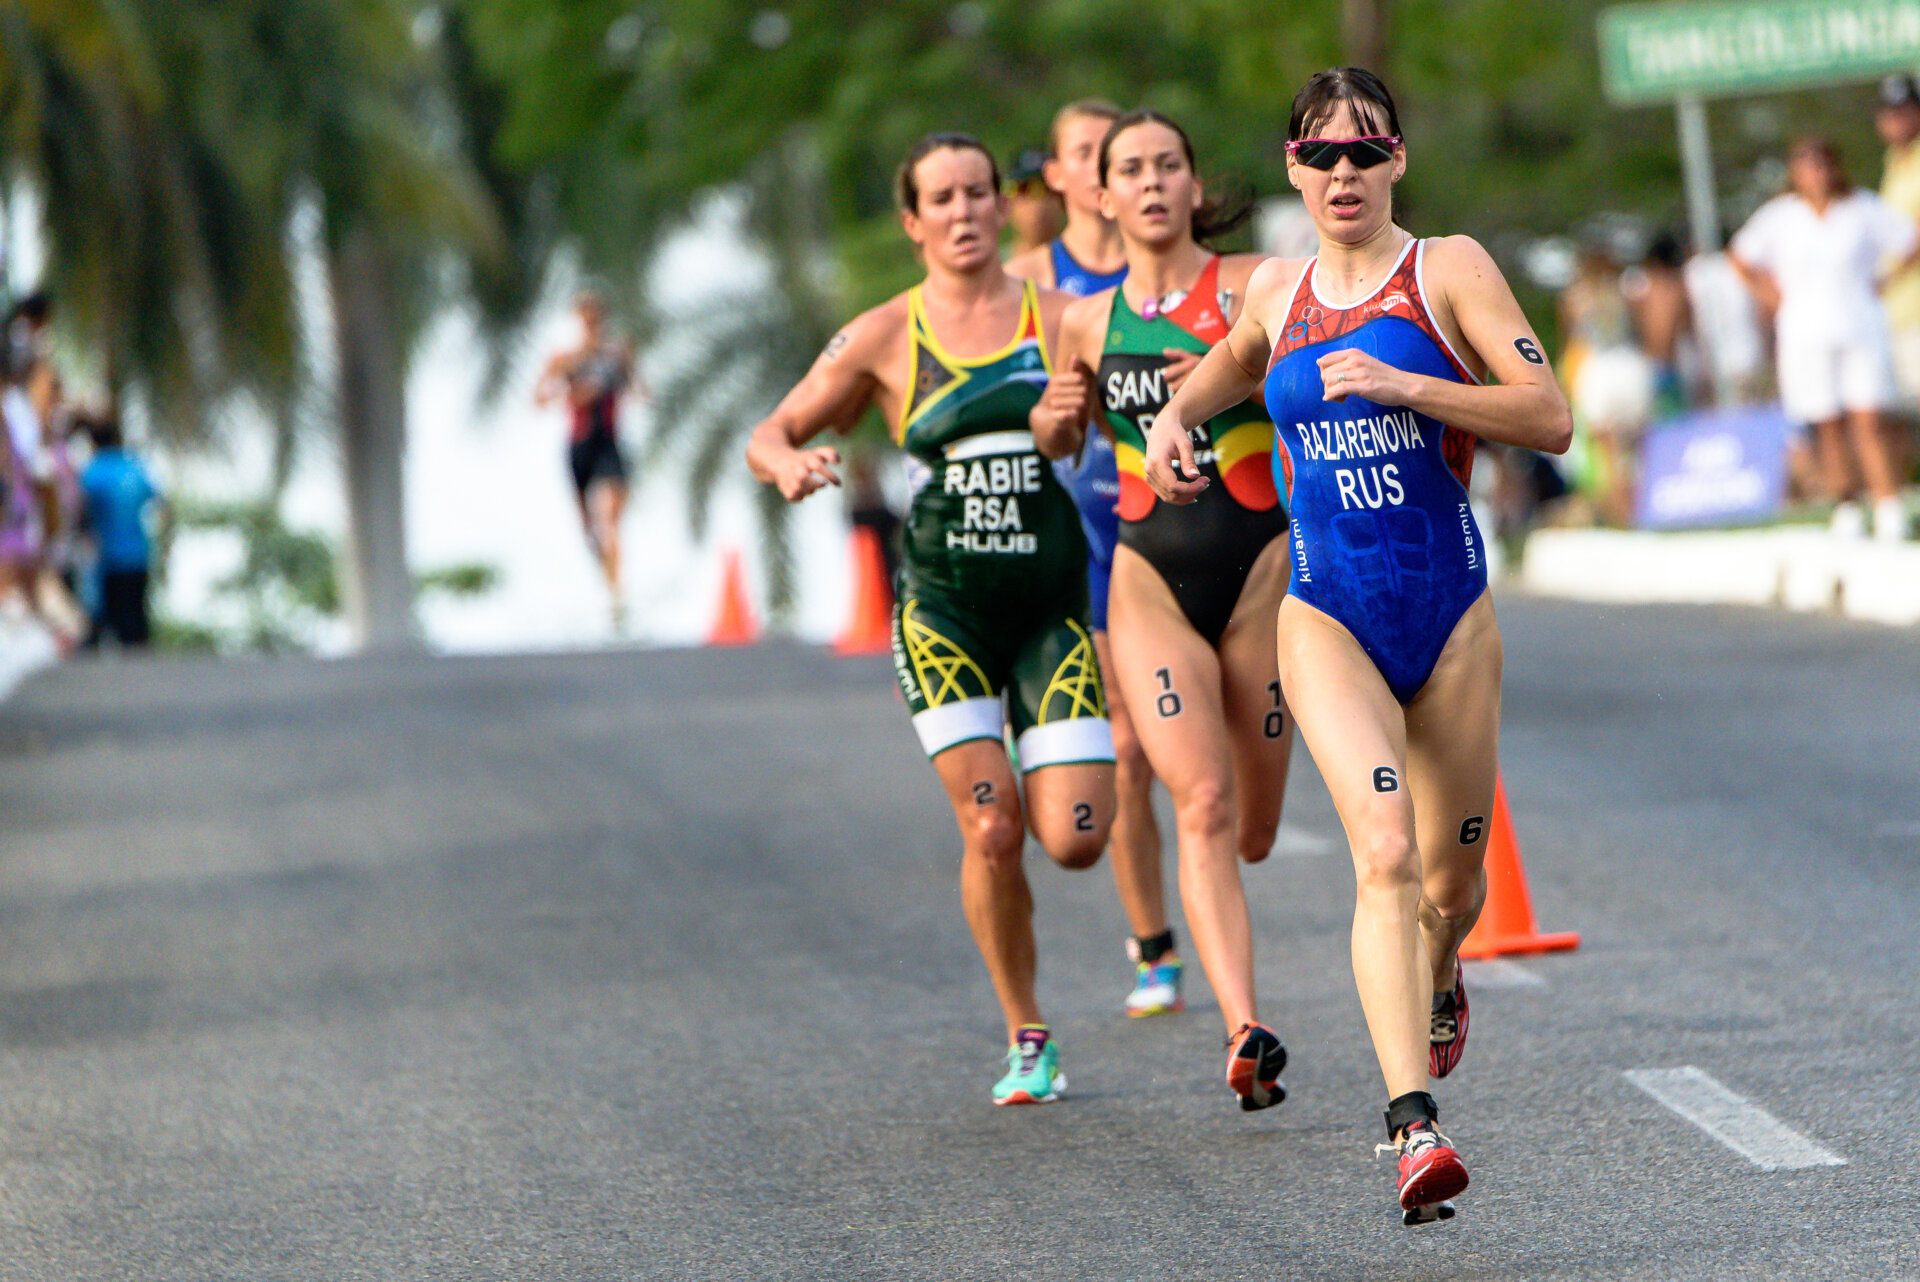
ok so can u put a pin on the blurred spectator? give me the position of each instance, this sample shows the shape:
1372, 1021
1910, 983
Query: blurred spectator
1656, 293
1899, 123
119, 495
1034, 210
1726, 325
868, 508
1610, 378
20, 528
42, 428
1814, 255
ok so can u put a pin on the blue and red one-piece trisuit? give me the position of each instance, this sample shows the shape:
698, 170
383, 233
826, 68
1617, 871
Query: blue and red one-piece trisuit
1383, 536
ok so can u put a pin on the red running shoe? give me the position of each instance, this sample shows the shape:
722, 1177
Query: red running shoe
1255, 1059
1447, 1034
1431, 1172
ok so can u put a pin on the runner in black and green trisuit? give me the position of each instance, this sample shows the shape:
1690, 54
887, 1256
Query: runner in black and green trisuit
993, 594
1196, 591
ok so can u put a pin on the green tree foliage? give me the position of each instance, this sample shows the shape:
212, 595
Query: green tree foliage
1501, 101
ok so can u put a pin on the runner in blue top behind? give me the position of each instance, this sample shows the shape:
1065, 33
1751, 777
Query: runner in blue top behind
118, 493
1086, 258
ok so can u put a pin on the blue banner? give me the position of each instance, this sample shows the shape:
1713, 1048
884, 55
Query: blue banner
1717, 467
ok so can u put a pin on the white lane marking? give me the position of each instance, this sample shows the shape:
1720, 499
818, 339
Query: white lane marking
1739, 1123
1903, 828
1497, 972
1295, 844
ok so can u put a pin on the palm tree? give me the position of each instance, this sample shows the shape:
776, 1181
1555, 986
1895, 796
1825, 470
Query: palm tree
176, 146
157, 247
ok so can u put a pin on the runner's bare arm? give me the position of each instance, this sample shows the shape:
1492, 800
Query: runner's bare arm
833, 395
1226, 376
1525, 406
1059, 420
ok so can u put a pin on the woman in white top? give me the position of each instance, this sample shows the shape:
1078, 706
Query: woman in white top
1816, 256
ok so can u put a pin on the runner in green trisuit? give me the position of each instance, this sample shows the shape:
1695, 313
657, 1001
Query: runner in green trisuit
992, 598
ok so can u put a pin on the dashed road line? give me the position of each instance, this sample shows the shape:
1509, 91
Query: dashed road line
1735, 1121
1498, 972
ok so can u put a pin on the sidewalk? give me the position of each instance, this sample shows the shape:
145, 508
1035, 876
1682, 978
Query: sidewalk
1801, 568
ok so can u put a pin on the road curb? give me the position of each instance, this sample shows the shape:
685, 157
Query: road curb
1797, 569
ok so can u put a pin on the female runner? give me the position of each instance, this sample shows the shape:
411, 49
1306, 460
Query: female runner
992, 599
594, 376
1193, 602
1374, 357
1072, 169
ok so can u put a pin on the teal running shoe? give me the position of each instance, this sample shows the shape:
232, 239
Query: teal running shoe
1156, 988
1033, 1070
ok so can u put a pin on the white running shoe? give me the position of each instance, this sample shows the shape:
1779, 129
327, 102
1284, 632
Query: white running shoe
1849, 520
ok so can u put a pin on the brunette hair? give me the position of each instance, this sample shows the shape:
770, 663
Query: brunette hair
906, 184
1364, 96
1822, 146
1215, 217
1093, 108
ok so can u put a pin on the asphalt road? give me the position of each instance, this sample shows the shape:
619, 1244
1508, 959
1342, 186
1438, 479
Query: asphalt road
652, 965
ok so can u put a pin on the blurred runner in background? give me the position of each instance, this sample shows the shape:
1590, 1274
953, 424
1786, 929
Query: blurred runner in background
1087, 255
1035, 213
1092, 477
1815, 255
593, 376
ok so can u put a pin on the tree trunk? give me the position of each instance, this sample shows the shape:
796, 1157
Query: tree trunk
376, 586
1363, 32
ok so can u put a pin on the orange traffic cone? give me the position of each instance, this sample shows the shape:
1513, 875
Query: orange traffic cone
869, 628
1506, 924
734, 623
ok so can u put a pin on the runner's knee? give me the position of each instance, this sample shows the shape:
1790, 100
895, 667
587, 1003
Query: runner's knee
1455, 892
994, 834
1386, 858
1075, 850
1204, 809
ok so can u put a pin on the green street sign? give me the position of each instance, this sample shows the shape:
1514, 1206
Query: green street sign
1658, 52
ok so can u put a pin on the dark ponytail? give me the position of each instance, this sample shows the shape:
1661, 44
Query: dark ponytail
1217, 215
906, 184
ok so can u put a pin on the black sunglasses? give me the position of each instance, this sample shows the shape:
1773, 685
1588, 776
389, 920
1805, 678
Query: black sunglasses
1325, 153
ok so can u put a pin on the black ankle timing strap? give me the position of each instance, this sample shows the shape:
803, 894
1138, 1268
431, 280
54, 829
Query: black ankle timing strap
1154, 947
1404, 1110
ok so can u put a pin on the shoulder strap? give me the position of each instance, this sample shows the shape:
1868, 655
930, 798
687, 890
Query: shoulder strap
1032, 325
914, 324
1433, 322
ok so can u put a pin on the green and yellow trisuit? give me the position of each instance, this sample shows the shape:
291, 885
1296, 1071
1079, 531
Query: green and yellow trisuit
992, 598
